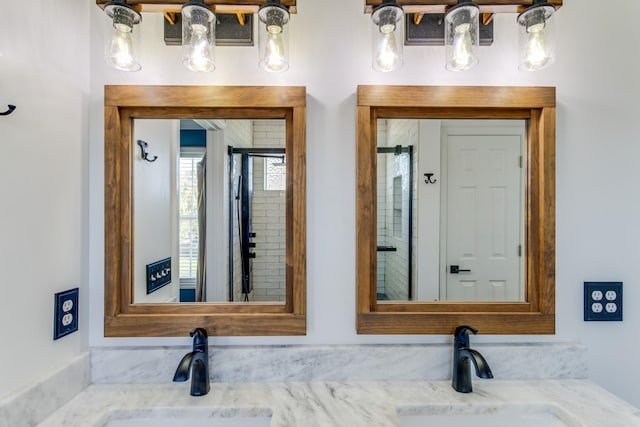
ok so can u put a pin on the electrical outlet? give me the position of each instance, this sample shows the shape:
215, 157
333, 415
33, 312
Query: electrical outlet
65, 313
603, 301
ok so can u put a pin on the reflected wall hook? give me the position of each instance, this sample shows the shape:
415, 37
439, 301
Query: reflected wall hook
143, 152
429, 179
9, 111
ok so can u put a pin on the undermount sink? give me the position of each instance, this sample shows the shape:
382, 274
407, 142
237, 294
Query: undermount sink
538, 415
192, 417
192, 422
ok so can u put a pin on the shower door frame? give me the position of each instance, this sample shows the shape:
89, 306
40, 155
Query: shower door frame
408, 149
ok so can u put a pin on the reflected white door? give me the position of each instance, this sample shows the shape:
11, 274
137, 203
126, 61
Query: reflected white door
483, 214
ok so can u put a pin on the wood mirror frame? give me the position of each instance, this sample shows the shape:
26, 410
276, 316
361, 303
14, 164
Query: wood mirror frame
123, 318
537, 105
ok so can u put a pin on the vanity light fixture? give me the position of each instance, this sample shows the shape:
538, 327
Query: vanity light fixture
200, 25
273, 40
198, 36
537, 48
461, 36
388, 36
461, 26
121, 44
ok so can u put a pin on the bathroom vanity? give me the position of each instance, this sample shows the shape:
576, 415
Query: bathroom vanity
544, 385
543, 403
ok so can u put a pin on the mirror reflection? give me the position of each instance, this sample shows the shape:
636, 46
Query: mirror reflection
450, 210
209, 210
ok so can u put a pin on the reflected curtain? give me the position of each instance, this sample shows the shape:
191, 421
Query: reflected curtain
202, 229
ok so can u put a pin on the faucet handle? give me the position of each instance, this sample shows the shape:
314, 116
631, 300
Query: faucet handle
198, 331
461, 334
200, 338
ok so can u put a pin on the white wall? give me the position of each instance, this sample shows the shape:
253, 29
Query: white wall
43, 186
155, 207
597, 154
428, 218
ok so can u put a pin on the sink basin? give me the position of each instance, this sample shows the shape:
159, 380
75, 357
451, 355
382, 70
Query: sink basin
192, 417
536, 415
192, 422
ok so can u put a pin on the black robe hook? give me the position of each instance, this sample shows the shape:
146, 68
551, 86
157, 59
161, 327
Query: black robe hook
9, 111
143, 152
429, 179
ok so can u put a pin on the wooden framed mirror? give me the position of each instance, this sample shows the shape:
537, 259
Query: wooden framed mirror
530, 115
151, 114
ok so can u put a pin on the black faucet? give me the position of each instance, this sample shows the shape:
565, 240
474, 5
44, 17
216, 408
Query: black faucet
196, 362
462, 354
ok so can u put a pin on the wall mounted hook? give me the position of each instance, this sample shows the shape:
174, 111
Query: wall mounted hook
9, 111
429, 179
143, 152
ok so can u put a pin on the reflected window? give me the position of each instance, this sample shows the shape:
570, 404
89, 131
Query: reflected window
275, 174
190, 158
397, 207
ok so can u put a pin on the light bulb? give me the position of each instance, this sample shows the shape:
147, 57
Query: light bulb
462, 58
120, 47
121, 54
387, 56
198, 37
536, 38
273, 44
199, 57
461, 36
388, 33
536, 49
274, 56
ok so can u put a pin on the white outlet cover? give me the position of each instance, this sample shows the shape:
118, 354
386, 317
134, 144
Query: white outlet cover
596, 295
611, 295
596, 307
611, 307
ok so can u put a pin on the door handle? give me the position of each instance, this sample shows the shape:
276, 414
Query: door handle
455, 269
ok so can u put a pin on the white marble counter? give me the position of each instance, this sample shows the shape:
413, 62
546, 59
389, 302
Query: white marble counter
338, 363
333, 404
342, 364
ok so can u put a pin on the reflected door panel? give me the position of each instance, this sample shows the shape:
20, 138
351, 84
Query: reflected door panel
483, 218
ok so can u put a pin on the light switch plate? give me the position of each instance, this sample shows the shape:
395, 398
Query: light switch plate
603, 301
158, 274
65, 313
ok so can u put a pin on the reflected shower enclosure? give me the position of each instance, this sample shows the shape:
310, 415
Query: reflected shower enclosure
214, 203
395, 221
257, 183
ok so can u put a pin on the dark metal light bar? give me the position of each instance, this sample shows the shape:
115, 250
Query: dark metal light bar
441, 6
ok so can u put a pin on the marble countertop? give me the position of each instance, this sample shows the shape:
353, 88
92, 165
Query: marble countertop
353, 404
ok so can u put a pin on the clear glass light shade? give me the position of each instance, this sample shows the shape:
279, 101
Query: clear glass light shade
198, 38
273, 42
387, 38
461, 37
121, 41
537, 47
